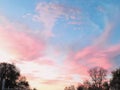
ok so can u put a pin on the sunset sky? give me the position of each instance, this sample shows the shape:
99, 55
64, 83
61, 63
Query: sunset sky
55, 42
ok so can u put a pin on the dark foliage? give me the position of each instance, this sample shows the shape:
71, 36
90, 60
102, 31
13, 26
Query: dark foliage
115, 81
10, 76
81, 87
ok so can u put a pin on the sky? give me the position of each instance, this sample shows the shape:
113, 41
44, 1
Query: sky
55, 42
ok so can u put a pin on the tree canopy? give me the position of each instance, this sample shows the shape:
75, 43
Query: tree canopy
10, 77
115, 81
10, 74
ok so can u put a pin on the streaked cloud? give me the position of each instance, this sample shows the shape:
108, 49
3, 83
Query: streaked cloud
49, 13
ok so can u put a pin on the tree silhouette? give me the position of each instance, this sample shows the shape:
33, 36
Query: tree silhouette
80, 87
11, 78
87, 84
115, 81
97, 75
8, 73
23, 83
106, 86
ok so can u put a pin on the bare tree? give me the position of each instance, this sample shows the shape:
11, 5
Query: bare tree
87, 84
97, 75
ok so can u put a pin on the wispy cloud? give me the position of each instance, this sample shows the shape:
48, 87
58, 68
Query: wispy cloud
49, 13
110, 22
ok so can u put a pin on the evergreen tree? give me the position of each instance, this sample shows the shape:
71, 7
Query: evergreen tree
115, 81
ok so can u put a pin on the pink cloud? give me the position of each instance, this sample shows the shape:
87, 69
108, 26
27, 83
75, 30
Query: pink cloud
94, 56
81, 61
45, 62
19, 42
50, 82
74, 67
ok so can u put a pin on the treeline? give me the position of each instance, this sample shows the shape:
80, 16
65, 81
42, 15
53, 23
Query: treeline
98, 80
11, 79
